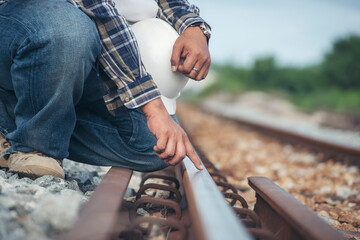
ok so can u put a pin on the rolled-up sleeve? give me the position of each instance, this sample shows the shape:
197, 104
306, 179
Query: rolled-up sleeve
178, 13
128, 84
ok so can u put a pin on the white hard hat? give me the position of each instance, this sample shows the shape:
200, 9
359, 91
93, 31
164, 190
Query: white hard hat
156, 39
136, 10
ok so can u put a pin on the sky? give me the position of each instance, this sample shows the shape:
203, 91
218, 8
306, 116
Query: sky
295, 32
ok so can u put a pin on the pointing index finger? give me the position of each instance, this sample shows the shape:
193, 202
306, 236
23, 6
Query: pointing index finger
192, 155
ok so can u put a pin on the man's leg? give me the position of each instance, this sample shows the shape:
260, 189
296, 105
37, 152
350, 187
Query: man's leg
48, 49
102, 139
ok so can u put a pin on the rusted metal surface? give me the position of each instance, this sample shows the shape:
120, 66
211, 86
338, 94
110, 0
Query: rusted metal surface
170, 189
225, 187
217, 176
160, 214
234, 198
148, 176
283, 215
157, 202
211, 214
99, 215
248, 217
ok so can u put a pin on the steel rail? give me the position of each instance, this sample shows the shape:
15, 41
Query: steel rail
323, 143
97, 219
285, 216
210, 212
211, 215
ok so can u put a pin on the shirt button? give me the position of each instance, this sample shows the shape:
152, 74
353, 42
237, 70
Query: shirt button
127, 99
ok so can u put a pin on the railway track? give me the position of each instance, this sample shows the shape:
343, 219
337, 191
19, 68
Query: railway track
331, 150
324, 176
199, 205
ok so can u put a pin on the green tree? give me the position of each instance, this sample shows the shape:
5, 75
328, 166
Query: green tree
263, 71
341, 67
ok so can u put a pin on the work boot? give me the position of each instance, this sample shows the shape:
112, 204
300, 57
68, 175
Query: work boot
4, 145
34, 165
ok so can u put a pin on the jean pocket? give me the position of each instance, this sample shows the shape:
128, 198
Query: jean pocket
142, 138
125, 126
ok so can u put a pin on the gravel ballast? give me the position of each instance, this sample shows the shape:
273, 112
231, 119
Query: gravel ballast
46, 207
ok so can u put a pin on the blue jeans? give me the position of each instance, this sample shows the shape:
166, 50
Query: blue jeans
50, 94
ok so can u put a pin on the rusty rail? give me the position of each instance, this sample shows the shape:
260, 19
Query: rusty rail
97, 219
211, 217
286, 217
196, 209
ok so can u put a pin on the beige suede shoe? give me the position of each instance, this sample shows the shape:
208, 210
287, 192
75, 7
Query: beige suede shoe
34, 165
4, 145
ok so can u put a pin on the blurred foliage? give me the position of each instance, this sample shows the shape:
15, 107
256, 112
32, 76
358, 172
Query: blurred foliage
334, 84
341, 66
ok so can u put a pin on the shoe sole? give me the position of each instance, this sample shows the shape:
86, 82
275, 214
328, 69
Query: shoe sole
26, 173
3, 163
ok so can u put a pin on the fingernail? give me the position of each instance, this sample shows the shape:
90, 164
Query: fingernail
201, 167
173, 68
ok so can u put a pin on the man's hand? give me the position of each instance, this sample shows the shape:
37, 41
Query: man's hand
191, 47
172, 142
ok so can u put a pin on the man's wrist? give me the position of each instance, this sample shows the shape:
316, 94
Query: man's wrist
205, 28
153, 107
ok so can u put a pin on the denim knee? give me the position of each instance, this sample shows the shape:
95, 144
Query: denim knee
59, 26
61, 46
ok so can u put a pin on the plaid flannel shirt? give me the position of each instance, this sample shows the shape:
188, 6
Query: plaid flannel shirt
129, 84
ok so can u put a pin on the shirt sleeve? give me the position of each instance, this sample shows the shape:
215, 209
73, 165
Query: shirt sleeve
129, 84
179, 13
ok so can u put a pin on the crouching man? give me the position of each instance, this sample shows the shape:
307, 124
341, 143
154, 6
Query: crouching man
73, 85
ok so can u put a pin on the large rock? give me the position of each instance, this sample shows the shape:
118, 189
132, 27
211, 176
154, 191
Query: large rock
58, 211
